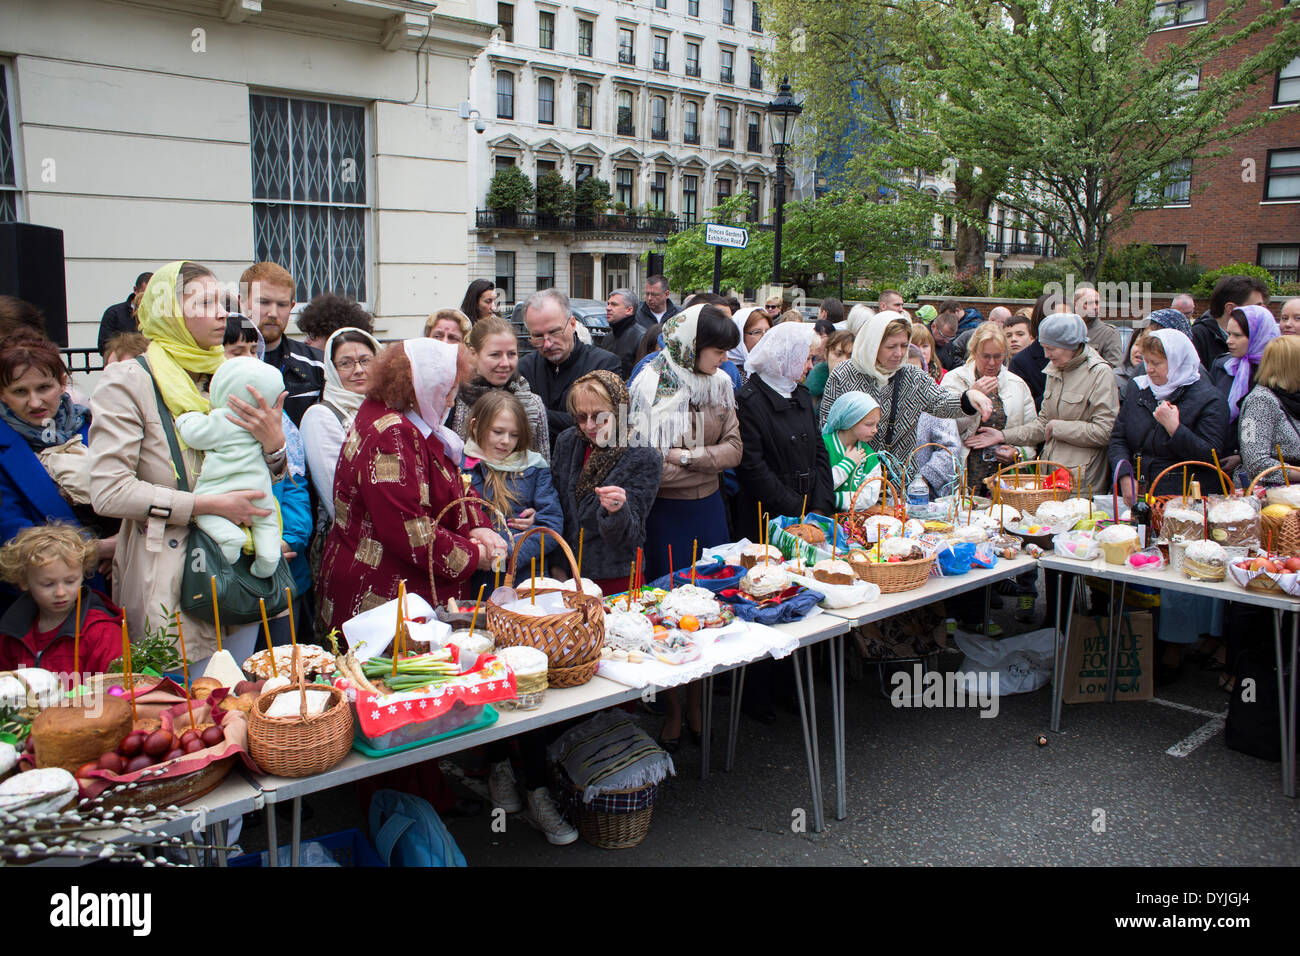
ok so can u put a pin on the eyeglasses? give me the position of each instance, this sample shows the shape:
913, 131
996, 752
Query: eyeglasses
348, 365
555, 335
757, 333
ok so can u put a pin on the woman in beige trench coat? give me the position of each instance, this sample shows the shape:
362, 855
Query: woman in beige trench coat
132, 476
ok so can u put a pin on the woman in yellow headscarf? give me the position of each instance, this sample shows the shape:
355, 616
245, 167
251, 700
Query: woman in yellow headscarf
132, 474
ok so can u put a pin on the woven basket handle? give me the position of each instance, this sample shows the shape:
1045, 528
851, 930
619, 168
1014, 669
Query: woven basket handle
1201, 464
885, 483
1025, 464
1271, 468
542, 529
28, 693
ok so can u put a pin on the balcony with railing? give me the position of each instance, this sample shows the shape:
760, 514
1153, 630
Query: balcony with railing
727, 76
755, 78
691, 139
752, 142
625, 55
661, 62
625, 127
659, 133
693, 69
726, 142
634, 225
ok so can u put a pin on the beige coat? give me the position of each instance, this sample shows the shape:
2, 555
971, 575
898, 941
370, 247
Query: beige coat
1017, 401
1081, 403
719, 448
132, 478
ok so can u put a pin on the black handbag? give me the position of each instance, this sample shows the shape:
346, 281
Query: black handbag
239, 592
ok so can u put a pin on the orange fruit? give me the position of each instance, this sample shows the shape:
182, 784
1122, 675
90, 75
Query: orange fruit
660, 629
689, 623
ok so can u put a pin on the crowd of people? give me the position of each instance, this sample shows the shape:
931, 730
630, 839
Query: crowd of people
665, 436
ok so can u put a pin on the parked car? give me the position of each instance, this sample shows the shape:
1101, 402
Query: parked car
589, 312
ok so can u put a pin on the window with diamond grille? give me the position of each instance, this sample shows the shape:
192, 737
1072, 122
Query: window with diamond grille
8, 179
309, 192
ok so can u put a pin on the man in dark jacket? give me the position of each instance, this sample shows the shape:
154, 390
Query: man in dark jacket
944, 328
657, 307
625, 329
1030, 363
267, 291
1210, 331
120, 317
558, 358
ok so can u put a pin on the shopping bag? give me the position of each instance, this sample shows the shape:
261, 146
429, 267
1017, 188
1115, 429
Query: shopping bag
1085, 664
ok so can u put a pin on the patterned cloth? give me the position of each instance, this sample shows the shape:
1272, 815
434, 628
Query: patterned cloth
609, 752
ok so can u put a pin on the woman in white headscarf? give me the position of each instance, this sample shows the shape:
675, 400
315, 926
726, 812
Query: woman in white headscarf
878, 367
1170, 414
784, 458
683, 406
349, 354
400, 466
752, 324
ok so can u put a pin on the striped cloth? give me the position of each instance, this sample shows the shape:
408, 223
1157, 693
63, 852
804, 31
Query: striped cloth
609, 752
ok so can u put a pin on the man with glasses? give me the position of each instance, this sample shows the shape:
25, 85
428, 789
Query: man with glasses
656, 307
558, 358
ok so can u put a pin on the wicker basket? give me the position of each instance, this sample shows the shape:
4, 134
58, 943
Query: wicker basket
608, 830
571, 640
1158, 502
1280, 535
895, 576
1026, 492
303, 745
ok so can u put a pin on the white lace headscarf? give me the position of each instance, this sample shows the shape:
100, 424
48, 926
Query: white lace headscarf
433, 372
780, 356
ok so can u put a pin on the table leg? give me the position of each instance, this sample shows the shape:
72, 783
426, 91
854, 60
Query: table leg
706, 729
1112, 645
1288, 785
809, 743
1286, 705
842, 779
988, 609
272, 835
733, 725
219, 840
835, 727
295, 831
1062, 649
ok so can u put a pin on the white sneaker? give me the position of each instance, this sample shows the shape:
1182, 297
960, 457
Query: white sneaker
502, 789
545, 816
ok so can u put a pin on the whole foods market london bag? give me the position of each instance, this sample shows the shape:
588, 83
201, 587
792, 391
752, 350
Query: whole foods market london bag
1085, 662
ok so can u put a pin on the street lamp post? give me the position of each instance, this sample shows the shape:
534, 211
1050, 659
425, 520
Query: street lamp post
781, 115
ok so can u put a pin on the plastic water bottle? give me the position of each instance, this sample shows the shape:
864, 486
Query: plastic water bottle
918, 493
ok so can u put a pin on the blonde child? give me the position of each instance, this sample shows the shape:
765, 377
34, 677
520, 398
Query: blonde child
850, 424
50, 564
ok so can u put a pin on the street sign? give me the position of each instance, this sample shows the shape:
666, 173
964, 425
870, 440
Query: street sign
839, 255
732, 237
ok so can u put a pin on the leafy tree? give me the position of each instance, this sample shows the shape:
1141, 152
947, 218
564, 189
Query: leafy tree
555, 197
1205, 284
1142, 262
1062, 105
592, 196
510, 191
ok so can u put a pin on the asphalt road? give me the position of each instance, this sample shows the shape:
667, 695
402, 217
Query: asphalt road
941, 787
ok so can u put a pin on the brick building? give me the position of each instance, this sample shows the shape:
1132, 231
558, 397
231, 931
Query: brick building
1243, 206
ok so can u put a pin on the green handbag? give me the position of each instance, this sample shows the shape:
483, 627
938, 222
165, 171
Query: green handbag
239, 591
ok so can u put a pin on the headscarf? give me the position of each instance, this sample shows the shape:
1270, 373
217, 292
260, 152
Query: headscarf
858, 317
1171, 319
1062, 330
740, 353
173, 354
600, 461
666, 388
780, 356
1184, 364
336, 393
1262, 329
847, 410
867, 345
433, 371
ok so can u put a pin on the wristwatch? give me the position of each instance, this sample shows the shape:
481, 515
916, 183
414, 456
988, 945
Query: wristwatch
685, 458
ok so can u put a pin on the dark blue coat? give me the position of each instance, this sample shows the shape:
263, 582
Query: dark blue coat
531, 488
1202, 430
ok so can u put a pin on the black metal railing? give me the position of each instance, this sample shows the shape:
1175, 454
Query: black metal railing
624, 224
626, 56
82, 359
726, 142
995, 246
661, 62
727, 76
691, 139
752, 143
659, 134
693, 69
755, 80
625, 128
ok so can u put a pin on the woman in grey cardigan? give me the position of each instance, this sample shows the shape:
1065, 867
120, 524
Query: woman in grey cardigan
1270, 414
903, 391
606, 488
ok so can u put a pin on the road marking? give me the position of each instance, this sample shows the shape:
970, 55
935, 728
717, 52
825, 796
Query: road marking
1196, 738
1192, 710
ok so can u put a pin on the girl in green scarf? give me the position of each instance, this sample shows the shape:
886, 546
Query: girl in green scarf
850, 424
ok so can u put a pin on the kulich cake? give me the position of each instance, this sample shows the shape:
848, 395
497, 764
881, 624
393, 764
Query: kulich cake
882, 526
692, 601
38, 688
315, 660
81, 732
754, 554
628, 632
1054, 511
834, 572
974, 533
1118, 542
808, 533
529, 666
1205, 561
764, 580
1234, 522
937, 527
1003, 515
1180, 523
913, 528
